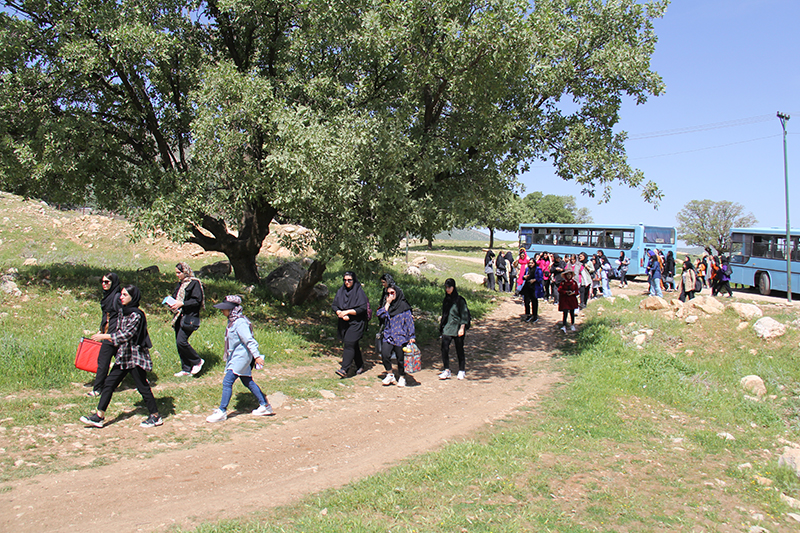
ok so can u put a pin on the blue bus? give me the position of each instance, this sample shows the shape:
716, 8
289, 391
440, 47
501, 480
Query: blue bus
758, 258
634, 240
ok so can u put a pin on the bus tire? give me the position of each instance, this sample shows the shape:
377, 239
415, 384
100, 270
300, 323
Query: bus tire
764, 284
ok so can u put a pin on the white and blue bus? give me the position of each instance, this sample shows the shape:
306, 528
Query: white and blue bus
634, 240
758, 258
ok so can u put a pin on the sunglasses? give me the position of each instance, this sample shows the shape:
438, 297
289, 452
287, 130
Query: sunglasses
105, 281
348, 279
392, 292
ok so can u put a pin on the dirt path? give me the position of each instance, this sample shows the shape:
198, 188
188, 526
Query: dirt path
314, 445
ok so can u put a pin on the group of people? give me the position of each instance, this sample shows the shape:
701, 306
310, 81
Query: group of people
708, 271
124, 336
396, 327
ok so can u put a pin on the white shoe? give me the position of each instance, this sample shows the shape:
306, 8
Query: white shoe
389, 380
263, 410
572, 328
461, 374
197, 368
217, 416
181, 374
401, 382
564, 329
446, 374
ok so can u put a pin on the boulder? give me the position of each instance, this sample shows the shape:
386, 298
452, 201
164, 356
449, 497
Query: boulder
747, 311
707, 304
639, 339
9, 287
413, 270
31, 261
691, 319
215, 270
419, 261
768, 328
653, 303
754, 384
478, 279
624, 297
283, 281
790, 458
153, 269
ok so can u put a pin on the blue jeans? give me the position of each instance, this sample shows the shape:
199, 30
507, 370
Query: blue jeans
227, 389
606, 288
655, 287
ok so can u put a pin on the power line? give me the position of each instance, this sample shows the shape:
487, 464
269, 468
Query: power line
703, 127
706, 148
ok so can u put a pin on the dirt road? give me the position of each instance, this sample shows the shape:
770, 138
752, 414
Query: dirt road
314, 445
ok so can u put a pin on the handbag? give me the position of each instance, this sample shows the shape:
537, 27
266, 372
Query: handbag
86, 356
698, 285
412, 358
190, 323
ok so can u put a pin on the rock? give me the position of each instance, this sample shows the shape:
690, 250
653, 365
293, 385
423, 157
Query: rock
742, 325
691, 319
653, 303
624, 297
689, 352
478, 279
768, 328
794, 516
763, 481
320, 292
639, 339
726, 436
278, 399
153, 269
754, 384
283, 281
412, 270
757, 529
745, 466
790, 458
31, 261
709, 305
214, 270
791, 502
327, 394
419, 261
9, 287
747, 311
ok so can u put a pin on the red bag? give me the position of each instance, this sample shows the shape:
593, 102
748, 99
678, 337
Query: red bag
86, 357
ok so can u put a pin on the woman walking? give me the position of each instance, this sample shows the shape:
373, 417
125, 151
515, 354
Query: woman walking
133, 357
350, 305
189, 297
111, 308
568, 300
623, 263
398, 331
453, 327
241, 355
532, 290
688, 280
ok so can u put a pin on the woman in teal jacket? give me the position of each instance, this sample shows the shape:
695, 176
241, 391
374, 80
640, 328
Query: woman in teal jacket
453, 327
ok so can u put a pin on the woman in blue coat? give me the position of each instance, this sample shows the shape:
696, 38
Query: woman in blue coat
397, 332
241, 354
532, 289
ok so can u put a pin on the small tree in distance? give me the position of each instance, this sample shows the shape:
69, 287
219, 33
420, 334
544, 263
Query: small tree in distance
708, 224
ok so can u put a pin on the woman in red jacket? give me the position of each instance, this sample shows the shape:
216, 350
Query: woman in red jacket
568, 299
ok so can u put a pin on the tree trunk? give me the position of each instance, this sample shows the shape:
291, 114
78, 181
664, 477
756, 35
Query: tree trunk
491, 238
243, 249
308, 281
430, 243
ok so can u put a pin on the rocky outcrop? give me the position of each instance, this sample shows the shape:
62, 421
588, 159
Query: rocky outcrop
283, 281
747, 311
769, 328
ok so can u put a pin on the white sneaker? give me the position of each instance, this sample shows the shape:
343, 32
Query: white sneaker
572, 327
197, 368
446, 374
217, 416
401, 382
263, 410
564, 329
181, 374
389, 380
461, 374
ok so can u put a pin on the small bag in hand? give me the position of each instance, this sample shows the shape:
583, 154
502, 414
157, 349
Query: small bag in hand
86, 356
190, 323
412, 358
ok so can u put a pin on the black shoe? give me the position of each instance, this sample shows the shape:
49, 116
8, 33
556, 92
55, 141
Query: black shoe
360, 371
534, 321
341, 373
93, 420
152, 420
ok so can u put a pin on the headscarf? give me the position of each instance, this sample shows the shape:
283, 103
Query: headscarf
510, 258
110, 295
399, 304
389, 282
236, 313
352, 297
487, 259
142, 338
449, 300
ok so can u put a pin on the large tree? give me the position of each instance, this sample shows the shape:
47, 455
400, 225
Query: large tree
708, 224
361, 119
539, 208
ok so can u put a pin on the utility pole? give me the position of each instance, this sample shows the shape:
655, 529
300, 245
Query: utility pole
783, 118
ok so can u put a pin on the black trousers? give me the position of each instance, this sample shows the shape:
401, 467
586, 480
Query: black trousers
490, 281
386, 357
116, 376
531, 302
107, 352
189, 356
352, 351
462, 358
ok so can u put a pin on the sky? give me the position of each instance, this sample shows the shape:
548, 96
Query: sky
729, 66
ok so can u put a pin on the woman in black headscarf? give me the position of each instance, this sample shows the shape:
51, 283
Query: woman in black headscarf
453, 325
133, 357
488, 269
111, 307
350, 305
398, 331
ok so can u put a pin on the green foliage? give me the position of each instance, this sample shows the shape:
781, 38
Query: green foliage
708, 224
538, 208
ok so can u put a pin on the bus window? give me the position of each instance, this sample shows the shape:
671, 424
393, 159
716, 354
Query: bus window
761, 246
659, 236
795, 249
627, 240
538, 236
583, 237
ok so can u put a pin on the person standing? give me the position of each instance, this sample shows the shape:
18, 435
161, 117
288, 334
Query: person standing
568, 300
701, 272
669, 268
522, 264
512, 273
688, 280
398, 331
502, 273
189, 297
241, 355
350, 305
654, 274
453, 326
544, 264
133, 357
488, 269
556, 275
724, 278
111, 308
623, 263
583, 278
532, 290
605, 275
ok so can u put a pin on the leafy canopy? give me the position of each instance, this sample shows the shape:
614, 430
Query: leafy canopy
708, 224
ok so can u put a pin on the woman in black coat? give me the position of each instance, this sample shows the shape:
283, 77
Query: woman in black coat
189, 296
111, 308
350, 305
